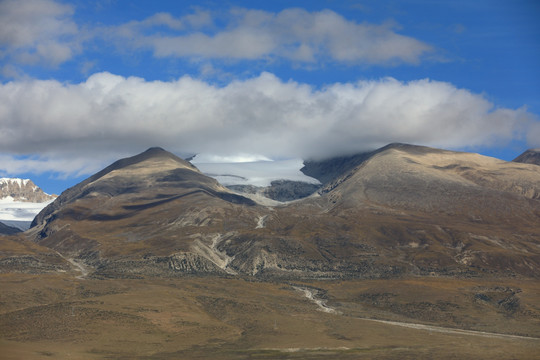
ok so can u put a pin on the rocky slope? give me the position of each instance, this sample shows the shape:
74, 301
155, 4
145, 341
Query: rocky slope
399, 210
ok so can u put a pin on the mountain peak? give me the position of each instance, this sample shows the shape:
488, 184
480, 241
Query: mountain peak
156, 151
531, 156
153, 154
330, 168
24, 190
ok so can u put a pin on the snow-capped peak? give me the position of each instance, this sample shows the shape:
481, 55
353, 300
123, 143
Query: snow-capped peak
22, 190
10, 181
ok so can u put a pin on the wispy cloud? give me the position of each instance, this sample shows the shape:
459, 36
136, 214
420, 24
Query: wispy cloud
108, 115
43, 33
292, 34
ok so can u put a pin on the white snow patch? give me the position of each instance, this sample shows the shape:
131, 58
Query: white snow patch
7, 200
258, 173
9, 181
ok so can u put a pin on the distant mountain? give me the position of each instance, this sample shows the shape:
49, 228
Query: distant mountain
22, 190
531, 156
402, 209
8, 230
20, 201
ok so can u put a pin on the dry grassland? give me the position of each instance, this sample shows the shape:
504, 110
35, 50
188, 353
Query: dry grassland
61, 317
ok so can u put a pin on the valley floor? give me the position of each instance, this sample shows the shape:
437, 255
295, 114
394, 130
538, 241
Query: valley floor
65, 317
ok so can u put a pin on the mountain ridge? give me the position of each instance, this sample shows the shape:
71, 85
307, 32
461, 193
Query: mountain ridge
531, 156
404, 209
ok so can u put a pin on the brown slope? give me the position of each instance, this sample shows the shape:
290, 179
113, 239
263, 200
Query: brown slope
403, 210
327, 170
147, 206
158, 157
20, 255
427, 179
427, 209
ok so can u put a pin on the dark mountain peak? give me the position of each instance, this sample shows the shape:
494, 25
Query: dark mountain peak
151, 161
327, 170
409, 148
531, 156
158, 152
153, 153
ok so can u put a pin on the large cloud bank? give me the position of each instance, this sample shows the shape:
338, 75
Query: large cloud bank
76, 128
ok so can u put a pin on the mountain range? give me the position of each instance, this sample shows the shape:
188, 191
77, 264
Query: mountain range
402, 209
403, 236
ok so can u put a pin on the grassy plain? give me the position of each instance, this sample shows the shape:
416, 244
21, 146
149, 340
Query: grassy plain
57, 316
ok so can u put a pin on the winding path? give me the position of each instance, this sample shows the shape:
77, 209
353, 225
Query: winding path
308, 293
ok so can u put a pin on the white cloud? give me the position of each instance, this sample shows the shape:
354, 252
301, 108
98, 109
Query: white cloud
37, 31
292, 34
43, 32
68, 166
533, 135
72, 127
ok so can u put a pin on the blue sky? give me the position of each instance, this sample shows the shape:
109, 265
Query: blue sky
85, 83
